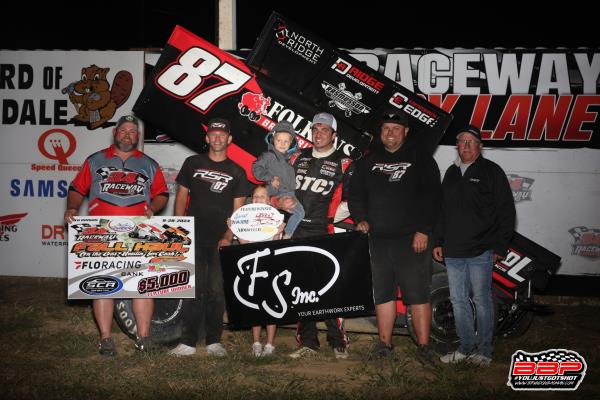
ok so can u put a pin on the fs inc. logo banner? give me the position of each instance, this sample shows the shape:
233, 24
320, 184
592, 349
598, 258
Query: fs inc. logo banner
554, 369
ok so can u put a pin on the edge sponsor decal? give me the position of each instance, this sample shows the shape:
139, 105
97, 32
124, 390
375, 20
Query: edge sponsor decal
554, 369
586, 242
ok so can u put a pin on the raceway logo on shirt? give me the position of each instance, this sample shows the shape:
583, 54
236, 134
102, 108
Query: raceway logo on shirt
121, 182
394, 170
218, 180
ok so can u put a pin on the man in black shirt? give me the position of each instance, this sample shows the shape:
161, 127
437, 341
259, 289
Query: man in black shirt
394, 196
214, 186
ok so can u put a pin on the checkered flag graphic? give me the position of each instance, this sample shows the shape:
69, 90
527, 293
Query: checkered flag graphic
579, 231
105, 172
553, 355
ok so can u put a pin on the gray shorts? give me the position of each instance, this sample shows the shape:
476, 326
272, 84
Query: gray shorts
393, 264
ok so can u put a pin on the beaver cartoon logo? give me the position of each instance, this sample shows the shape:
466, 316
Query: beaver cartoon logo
93, 98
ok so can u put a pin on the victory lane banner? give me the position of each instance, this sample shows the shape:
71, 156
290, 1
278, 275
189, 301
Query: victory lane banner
283, 281
130, 257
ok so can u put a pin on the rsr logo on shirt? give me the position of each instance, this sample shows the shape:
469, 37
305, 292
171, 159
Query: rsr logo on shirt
394, 170
217, 179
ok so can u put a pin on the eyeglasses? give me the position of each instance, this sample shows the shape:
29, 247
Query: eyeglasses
466, 142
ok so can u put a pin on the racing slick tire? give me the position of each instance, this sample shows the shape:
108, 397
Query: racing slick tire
515, 325
166, 320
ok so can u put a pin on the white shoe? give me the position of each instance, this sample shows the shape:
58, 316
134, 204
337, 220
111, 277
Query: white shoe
182, 350
269, 350
257, 349
216, 349
453, 358
479, 360
303, 352
340, 353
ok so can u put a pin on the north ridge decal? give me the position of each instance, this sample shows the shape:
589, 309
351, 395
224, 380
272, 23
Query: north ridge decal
249, 268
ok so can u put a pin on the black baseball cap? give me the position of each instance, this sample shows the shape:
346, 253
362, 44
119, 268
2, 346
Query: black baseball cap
473, 130
219, 125
399, 118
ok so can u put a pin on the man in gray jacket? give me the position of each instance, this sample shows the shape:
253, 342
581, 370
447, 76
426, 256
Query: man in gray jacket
273, 167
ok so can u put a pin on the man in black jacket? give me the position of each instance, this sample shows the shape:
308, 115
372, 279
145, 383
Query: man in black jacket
394, 195
474, 230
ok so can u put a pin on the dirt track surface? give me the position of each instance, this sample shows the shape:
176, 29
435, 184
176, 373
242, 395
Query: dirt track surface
49, 351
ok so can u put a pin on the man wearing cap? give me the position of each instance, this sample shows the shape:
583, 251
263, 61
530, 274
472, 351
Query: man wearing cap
120, 180
322, 176
394, 196
211, 187
474, 229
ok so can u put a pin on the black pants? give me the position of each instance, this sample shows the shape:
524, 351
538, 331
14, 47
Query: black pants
205, 312
306, 332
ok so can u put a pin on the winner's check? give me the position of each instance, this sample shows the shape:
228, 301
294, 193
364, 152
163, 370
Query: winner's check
131, 257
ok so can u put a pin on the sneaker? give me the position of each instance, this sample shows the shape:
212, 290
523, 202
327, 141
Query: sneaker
257, 349
303, 352
340, 353
106, 347
144, 344
453, 358
381, 350
182, 350
426, 354
268, 350
216, 350
479, 359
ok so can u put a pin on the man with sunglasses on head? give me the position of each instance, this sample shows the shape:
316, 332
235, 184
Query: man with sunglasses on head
475, 227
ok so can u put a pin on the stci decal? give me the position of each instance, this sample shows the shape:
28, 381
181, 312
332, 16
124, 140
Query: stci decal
8, 225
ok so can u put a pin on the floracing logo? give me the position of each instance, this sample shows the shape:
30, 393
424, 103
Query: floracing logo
554, 369
57, 144
362, 78
344, 100
297, 43
587, 241
413, 109
8, 225
121, 182
520, 186
248, 269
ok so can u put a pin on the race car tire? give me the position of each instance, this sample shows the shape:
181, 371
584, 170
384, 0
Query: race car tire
516, 326
166, 320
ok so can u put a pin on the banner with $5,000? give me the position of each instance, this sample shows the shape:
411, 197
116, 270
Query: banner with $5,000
131, 257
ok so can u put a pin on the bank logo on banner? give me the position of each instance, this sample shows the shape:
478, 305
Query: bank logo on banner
8, 225
586, 242
284, 281
95, 99
520, 186
554, 369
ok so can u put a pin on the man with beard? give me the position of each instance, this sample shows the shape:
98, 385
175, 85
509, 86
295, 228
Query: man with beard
120, 180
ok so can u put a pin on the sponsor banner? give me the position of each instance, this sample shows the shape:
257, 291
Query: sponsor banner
334, 81
256, 222
554, 369
58, 107
519, 97
283, 281
131, 257
586, 242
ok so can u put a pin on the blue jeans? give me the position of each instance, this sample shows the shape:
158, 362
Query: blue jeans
295, 218
472, 275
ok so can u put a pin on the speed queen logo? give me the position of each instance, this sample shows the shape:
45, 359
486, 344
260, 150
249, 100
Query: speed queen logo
554, 369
